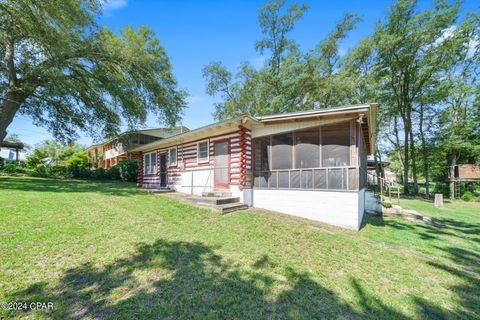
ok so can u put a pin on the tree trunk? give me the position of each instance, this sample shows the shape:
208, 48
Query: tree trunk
414, 162
406, 155
377, 172
397, 147
10, 106
426, 166
453, 163
14, 96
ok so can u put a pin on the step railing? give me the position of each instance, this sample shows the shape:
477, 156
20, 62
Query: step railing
386, 187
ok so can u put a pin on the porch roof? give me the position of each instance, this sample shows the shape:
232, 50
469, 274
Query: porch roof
366, 111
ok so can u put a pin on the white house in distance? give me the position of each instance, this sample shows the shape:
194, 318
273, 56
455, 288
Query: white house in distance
310, 164
11, 151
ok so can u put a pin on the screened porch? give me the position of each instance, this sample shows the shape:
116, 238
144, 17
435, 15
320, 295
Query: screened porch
319, 158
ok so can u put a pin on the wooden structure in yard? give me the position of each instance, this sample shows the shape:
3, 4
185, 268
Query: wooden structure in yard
462, 173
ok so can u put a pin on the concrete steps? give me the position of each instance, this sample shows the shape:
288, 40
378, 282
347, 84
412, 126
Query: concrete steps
157, 191
219, 201
216, 200
231, 207
217, 193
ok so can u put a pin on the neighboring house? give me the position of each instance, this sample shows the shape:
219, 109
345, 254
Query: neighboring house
107, 154
389, 175
12, 151
311, 164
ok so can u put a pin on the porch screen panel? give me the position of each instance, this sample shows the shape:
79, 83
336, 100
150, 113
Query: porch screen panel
283, 180
307, 179
320, 179
307, 149
261, 147
294, 179
336, 145
282, 151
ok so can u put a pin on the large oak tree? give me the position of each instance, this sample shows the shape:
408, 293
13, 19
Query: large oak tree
65, 72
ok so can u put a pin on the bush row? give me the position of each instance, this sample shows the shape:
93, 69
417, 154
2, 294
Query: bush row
125, 170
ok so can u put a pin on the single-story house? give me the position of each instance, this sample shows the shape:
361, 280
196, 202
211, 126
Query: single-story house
311, 164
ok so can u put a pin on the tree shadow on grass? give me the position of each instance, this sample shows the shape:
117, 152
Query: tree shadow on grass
184, 280
116, 188
460, 261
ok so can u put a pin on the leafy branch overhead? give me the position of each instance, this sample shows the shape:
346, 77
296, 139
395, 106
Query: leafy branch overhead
290, 79
68, 74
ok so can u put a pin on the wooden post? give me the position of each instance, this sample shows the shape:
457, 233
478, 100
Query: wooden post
381, 189
438, 200
452, 182
398, 194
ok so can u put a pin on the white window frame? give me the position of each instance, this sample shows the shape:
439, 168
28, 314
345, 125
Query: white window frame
150, 171
170, 162
207, 159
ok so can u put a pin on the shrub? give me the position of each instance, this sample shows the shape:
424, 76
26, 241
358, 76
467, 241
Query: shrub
128, 170
2, 162
99, 174
37, 158
443, 188
467, 196
386, 204
113, 173
13, 167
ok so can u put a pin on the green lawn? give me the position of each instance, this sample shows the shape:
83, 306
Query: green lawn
107, 250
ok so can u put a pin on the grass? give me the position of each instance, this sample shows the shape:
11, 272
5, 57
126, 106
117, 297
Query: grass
107, 250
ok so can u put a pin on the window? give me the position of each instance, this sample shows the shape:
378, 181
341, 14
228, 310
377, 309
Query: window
150, 163
336, 145
202, 151
172, 156
307, 149
281, 150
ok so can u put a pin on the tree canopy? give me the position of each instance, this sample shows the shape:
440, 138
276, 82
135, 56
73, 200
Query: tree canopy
290, 79
67, 73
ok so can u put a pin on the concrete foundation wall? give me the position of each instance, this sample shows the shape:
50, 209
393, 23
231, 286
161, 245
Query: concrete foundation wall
371, 203
343, 209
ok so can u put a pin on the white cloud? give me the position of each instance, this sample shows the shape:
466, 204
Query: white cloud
258, 62
114, 4
447, 33
473, 47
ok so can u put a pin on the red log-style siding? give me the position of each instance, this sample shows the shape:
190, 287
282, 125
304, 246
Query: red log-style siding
139, 157
240, 159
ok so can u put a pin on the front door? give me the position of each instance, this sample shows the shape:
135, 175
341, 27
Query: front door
163, 170
221, 173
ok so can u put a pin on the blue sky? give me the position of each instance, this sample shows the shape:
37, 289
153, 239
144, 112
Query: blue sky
195, 33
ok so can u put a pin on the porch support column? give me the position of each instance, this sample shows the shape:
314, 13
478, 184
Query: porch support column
139, 156
243, 132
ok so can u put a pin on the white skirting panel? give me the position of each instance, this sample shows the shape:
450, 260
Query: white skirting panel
343, 209
195, 181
